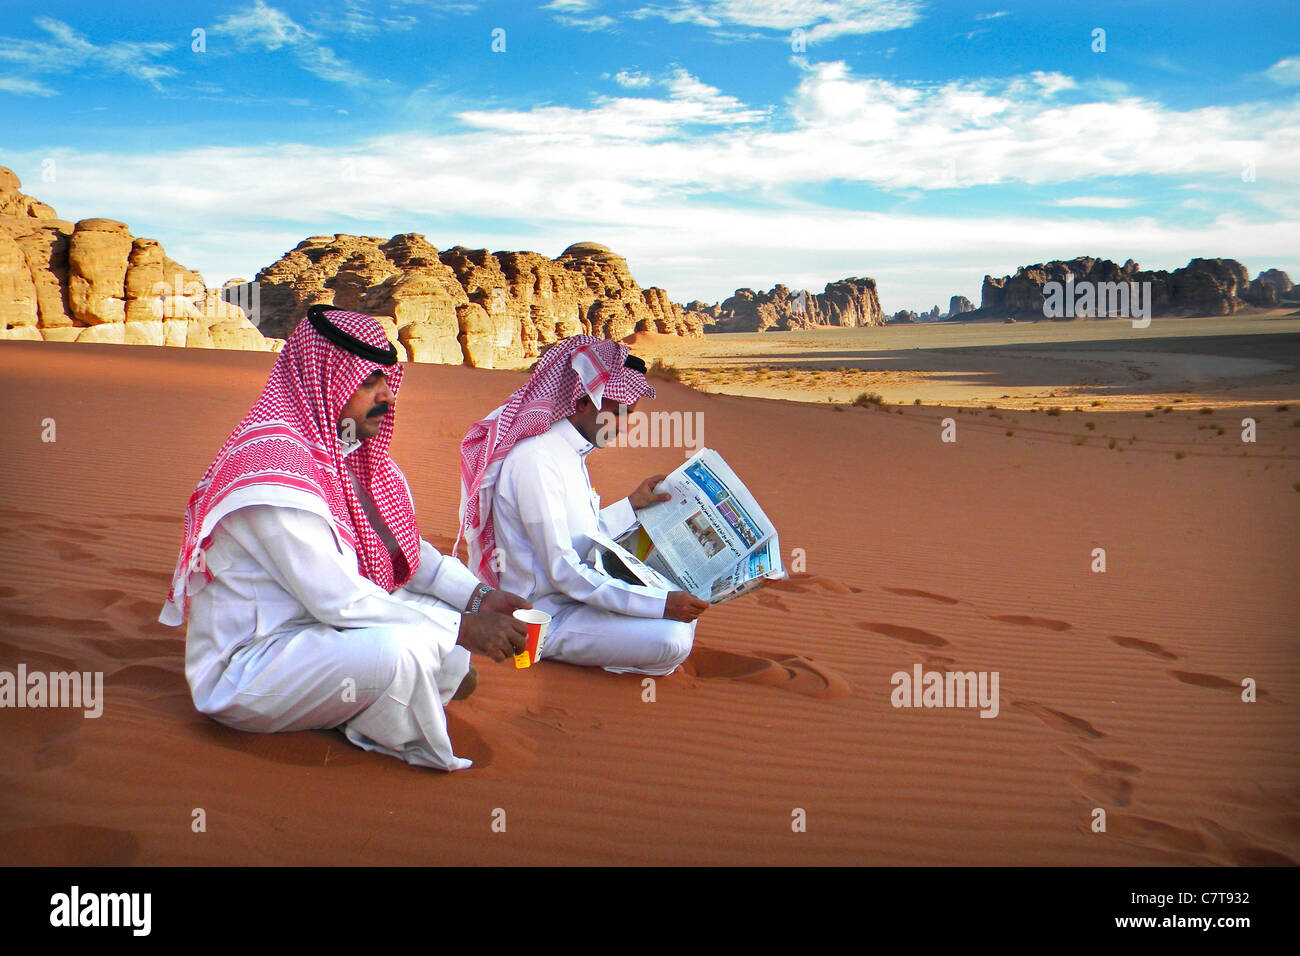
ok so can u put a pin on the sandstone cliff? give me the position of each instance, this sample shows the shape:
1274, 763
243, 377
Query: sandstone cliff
94, 282
847, 302
466, 305
959, 304
1202, 287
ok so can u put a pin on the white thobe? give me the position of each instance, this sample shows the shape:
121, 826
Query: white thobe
288, 635
544, 512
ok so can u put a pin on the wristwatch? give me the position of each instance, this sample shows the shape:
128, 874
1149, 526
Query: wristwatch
477, 600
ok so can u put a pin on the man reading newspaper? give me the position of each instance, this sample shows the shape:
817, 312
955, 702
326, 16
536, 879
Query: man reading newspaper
529, 513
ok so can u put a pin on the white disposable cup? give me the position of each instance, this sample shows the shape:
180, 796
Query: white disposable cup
539, 622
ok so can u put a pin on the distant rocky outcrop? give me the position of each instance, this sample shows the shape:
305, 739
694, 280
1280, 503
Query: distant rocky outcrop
94, 282
959, 304
1276, 278
1202, 287
848, 302
466, 305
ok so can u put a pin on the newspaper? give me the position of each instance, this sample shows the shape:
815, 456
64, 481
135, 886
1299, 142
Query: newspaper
711, 538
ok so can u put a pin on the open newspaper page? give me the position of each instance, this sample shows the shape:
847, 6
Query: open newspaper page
706, 529
750, 572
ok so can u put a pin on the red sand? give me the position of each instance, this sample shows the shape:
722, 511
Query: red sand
1119, 691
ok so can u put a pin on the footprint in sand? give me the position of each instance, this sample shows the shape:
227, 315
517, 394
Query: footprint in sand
558, 718
1105, 764
1059, 720
928, 595
1212, 682
69, 844
8, 592
788, 671
771, 600
1241, 849
794, 583
71, 552
1146, 832
88, 602
1276, 798
49, 732
1106, 788
901, 632
1147, 647
1025, 620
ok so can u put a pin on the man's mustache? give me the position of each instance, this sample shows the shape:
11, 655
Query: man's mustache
383, 408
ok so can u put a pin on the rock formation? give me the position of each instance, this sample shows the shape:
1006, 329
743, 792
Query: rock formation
466, 305
95, 282
959, 304
847, 302
1202, 287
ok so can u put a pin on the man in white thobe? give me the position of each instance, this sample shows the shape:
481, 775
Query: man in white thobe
296, 570
536, 512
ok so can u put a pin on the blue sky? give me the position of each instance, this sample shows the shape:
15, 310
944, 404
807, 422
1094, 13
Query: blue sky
715, 143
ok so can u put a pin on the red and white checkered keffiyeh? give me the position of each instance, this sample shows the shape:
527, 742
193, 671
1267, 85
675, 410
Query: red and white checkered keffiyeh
287, 449
582, 364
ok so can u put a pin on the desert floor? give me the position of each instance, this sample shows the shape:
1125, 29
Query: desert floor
1236, 360
1120, 691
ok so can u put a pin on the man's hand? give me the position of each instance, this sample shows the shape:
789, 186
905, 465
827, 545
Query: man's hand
503, 602
645, 493
684, 606
497, 635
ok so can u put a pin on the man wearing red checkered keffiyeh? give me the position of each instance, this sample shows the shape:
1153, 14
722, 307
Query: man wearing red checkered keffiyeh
313, 602
528, 512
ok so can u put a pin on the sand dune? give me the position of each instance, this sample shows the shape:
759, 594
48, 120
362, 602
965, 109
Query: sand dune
1119, 691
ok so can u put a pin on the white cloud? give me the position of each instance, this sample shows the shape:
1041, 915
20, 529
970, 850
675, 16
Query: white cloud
67, 51
23, 87
615, 120
657, 177
819, 19
1285, 72
261, 27
1097, 202
579, 14
632, 79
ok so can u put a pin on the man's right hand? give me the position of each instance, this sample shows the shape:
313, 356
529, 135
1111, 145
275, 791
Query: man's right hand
497, 635
684, 606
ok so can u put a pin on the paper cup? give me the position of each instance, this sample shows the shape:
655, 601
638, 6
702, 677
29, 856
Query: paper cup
539, 622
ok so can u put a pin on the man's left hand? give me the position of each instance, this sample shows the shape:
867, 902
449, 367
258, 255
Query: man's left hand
503, 602
644, 495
